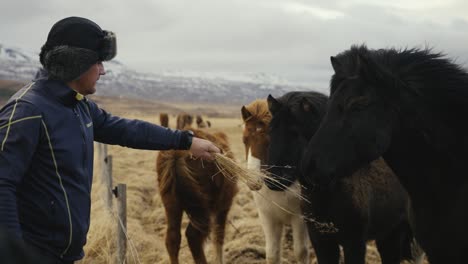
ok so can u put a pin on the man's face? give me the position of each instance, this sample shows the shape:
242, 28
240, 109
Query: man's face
86, 84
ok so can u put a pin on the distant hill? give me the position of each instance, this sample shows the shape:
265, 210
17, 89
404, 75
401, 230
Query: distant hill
8, 88
124, 82
134, 107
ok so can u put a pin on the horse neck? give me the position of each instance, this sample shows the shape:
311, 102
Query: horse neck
437, 128
422, 165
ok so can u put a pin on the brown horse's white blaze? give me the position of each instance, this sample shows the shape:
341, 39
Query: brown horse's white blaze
256, 118
197, 188
253, 163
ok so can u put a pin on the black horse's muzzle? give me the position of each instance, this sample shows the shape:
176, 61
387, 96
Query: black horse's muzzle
316, 179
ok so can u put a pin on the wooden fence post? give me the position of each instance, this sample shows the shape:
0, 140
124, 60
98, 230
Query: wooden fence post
121, 194
108, 181
105, 164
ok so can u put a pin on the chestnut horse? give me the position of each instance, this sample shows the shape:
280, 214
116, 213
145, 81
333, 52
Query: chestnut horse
200, 122
256, 118
197, 188
184, 120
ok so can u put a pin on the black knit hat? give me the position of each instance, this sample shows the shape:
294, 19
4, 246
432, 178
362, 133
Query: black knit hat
73, 45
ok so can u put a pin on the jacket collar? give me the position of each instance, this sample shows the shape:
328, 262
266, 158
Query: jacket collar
59, 90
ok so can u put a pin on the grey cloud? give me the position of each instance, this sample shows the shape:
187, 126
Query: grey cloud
242, 35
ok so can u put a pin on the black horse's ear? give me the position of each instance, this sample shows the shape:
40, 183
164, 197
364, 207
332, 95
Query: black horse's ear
273, 104
245, 113
336, 65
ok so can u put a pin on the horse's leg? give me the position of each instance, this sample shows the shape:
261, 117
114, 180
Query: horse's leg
273, 229
174, 217
355, 251
301, 240
389, 249
397, 245
197, 231
326, 246
220, 226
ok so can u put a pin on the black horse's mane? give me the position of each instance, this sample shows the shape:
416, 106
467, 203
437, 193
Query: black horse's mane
418, 71
429, 89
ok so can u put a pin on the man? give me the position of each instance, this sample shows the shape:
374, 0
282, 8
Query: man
47, 131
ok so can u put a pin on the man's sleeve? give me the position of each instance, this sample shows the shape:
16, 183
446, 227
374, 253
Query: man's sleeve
20, 130
137, 134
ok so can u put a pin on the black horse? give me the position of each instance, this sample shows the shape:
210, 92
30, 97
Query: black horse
409, 106
370, 204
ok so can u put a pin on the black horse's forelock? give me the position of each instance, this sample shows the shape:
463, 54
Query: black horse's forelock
292, 101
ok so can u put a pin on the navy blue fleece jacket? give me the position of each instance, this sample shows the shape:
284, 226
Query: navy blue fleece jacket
46, 162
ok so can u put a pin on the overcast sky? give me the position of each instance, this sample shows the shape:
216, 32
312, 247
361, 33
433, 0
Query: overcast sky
291, 39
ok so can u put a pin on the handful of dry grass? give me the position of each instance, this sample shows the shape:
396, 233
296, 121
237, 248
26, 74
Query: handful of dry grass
231, 170
254, 180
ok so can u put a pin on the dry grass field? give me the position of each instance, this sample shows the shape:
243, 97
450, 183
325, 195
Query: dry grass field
145, 213
146, 220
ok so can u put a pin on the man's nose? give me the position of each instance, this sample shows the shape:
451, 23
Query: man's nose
102, 71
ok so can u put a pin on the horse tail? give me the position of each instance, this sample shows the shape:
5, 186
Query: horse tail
173, 171
165, 168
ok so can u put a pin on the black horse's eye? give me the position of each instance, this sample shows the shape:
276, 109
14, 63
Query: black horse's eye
357, 103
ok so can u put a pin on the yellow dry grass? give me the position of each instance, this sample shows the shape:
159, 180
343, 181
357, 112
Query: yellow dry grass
244, 241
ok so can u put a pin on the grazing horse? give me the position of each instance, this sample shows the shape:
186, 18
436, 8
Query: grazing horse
197, 188
370, 204
408, 106
184, 120
256, 118
164, 119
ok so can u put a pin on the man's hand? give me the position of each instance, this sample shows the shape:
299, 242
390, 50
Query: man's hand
202, 148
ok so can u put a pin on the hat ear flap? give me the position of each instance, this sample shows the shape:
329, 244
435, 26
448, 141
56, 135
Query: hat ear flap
67, 63
109, 46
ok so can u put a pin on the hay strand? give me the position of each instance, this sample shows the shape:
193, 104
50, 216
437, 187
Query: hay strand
254, 180
232, 171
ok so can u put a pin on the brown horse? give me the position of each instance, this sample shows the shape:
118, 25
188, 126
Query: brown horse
200, 122
164, 119
270, 202
184, 120
197, 188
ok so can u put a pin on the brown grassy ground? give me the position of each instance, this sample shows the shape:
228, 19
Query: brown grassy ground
146, 220
7, 89
145, 213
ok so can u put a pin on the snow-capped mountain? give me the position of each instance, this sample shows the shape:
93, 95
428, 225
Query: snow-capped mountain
168, 86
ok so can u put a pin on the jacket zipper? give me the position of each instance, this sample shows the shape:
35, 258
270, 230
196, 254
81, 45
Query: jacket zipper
83, 136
